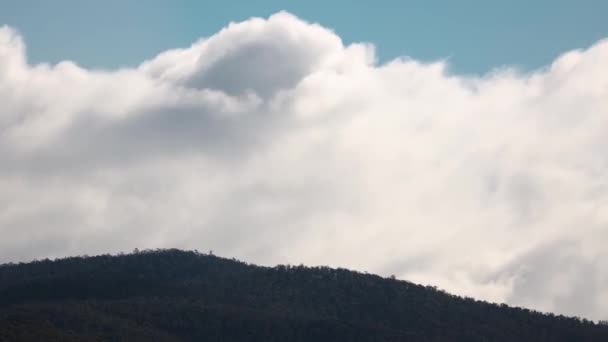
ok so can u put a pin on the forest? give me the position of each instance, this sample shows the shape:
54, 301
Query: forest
175, 295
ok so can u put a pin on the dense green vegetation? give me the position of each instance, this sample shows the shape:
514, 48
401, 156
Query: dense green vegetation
172, 295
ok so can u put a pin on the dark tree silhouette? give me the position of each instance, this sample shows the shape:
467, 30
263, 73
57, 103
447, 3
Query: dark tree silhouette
172, 295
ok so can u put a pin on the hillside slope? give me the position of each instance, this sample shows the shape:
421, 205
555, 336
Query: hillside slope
172, 295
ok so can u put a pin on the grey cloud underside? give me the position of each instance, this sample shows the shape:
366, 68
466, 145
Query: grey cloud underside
273, 142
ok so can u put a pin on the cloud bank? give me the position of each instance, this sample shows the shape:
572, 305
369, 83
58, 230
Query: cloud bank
273, 142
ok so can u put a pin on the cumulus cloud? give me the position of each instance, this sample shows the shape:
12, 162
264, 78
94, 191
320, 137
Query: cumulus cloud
274, 142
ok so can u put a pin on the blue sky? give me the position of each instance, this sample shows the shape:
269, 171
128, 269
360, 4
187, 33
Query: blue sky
475, 35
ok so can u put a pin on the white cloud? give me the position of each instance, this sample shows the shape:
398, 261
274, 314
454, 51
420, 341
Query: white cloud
273, 142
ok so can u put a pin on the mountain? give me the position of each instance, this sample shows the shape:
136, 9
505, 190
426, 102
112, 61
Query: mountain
173, 295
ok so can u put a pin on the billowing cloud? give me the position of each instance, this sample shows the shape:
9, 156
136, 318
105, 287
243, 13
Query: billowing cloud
273, 142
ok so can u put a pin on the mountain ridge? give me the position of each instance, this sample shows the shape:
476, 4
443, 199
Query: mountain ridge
174, 295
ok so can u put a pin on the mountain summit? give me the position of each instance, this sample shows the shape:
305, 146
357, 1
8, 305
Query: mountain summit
173, 295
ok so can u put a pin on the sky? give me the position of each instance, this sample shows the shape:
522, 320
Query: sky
460, 148
475, 35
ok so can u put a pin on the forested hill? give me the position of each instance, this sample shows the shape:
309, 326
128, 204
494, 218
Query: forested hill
172, 295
